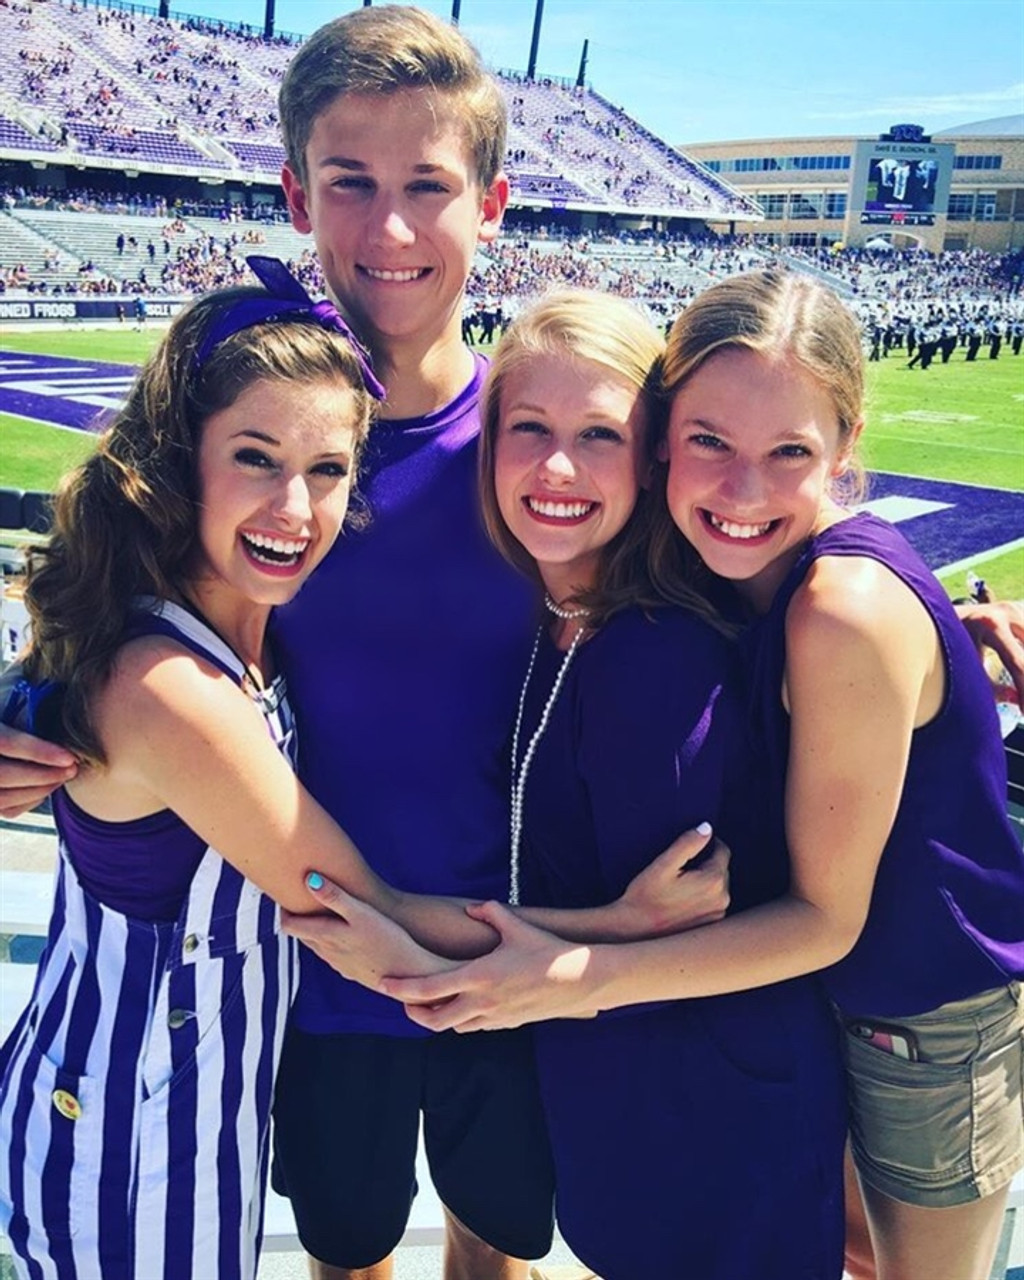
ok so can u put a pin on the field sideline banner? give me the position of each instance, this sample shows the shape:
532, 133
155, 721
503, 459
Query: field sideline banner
13, 310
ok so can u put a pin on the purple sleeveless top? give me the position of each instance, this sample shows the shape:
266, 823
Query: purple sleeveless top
142, 868
946, 919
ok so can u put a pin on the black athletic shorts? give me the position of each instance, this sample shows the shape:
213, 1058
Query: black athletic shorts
346, 1124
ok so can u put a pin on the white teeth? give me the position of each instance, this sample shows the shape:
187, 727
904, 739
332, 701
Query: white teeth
281, 550
560, 510
401, 277
741, 531
281, 545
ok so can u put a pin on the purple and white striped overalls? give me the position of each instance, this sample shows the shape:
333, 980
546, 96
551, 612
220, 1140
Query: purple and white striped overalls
136, 1088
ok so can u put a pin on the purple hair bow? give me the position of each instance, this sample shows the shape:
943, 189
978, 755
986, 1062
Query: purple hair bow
285, 296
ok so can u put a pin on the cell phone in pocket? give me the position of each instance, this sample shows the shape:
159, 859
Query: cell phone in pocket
897, 1041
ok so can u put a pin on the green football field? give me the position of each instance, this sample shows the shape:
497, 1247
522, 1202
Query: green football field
962, 422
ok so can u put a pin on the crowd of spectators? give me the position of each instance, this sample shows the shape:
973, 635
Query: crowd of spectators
892, 292
194, 94
908, 279
137, 203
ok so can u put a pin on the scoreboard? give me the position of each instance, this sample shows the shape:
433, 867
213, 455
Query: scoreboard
902, 179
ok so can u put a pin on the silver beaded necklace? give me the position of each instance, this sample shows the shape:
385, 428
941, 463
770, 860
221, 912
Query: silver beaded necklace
522, 769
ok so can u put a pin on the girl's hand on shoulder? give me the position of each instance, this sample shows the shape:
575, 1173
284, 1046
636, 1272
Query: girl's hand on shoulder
358, 941
530, 976
669, 895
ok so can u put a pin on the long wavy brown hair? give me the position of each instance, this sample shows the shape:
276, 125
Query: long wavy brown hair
125, 521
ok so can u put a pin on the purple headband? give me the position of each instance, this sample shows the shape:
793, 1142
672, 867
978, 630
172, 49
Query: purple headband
285, 296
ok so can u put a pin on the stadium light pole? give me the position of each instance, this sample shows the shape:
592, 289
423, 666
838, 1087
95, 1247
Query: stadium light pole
456, 10
164, 9
538, 16
581, 75
268, 21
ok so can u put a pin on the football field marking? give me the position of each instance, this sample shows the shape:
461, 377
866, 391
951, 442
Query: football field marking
970, 562
896, 508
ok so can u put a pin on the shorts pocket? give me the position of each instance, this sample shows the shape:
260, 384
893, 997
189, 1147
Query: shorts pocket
910, 1118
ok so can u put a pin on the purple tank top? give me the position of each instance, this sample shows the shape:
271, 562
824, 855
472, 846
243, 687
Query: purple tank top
142, 868
947, 914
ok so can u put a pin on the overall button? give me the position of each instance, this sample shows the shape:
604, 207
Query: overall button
190, 943
177, 1018
67, 1104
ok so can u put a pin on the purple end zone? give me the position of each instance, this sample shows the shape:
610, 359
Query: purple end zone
975, 520
65, 392
80, 393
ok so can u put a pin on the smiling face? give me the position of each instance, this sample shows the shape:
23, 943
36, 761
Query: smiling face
568, 463
396, 211
753, 443
275, 473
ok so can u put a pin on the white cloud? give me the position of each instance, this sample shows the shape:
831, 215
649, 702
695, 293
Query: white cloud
973, 102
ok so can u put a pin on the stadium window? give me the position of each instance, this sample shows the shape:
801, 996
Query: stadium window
806, 204
978, 162
961, 207
835, 204
986, 206
774, 205
804, 163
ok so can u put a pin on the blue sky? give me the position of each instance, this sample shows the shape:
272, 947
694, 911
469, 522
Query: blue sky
699, 71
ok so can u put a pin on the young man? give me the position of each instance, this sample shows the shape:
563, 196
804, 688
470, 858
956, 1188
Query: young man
404, 657
403, 660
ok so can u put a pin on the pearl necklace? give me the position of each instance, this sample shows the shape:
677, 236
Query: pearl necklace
567, 615
520, 771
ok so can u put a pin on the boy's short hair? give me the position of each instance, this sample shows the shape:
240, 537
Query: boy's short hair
381, 50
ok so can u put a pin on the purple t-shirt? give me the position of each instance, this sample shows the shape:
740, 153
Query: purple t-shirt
404, 653
645, 740
947, 913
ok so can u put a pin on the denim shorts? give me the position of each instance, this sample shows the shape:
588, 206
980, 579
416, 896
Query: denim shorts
944, 1125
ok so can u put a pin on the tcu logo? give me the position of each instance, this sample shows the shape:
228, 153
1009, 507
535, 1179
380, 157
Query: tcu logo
906, 132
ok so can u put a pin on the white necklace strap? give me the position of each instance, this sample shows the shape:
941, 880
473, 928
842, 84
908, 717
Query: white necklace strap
521, 770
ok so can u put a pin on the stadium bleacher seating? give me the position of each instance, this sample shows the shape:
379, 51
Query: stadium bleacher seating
168, 94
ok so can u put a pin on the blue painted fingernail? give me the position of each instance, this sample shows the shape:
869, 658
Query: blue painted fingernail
315, 880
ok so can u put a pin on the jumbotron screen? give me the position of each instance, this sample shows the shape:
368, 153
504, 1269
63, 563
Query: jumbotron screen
898, 181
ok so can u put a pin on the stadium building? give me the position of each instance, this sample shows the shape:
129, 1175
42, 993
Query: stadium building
813, 191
